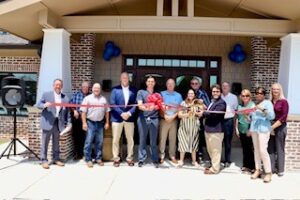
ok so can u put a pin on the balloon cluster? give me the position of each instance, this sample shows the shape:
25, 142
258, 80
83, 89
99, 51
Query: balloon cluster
156, 100
237, 54
111, 50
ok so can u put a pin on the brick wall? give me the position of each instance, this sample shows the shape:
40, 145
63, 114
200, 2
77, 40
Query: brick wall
17, 64
83, 59
264, 63
292, 148
35, 133
7, 127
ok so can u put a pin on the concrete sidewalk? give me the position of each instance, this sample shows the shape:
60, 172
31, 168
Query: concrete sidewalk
23, 179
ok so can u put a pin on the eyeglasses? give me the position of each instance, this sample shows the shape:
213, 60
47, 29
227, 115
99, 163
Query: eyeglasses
257, 93
245, 95
194, 83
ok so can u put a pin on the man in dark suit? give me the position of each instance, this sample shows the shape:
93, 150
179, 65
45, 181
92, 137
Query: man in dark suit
123, 117
53, 121
214, 129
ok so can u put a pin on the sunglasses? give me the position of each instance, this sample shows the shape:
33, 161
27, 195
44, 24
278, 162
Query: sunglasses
245, 95
257, 93
194, 83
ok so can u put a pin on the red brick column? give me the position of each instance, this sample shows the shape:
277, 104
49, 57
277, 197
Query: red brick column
83, 59
264, 63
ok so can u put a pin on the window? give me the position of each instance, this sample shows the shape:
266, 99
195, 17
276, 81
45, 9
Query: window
183, 67
129, 61
142, 62
201, 63
213, 64
192, 63
30, 80
166, 61
213, 80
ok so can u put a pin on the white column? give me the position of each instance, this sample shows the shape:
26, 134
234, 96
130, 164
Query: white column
190, 8
160, 8
55, 61
175, 8
289, 70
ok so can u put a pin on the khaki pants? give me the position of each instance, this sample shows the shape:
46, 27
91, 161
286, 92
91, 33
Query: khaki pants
214, 149
260, 143
117, 129
167, 130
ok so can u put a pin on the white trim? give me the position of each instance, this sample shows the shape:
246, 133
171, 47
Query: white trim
170, 24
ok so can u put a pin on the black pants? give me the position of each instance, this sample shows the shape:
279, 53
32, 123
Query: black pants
228, 134
78, 137
202, 143
248, 152
276, 149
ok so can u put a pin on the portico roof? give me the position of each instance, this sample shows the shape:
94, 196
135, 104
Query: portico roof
27, 18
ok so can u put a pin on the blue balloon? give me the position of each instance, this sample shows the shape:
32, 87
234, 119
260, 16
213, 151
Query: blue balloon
109, 44
237, 48
117, 51
232, 56
240, 57
106, 56
110, 50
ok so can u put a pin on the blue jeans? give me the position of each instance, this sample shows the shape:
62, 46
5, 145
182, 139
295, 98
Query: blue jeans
94, 133
148, 126
228, 134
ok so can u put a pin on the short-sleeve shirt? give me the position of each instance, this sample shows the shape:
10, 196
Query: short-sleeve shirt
95, 113
142, 95
173, 99
232, 104
244, 123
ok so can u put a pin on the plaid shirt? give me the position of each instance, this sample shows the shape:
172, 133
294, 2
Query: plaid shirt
201, 94
77, 98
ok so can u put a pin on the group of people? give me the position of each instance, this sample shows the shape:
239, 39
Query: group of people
195, 122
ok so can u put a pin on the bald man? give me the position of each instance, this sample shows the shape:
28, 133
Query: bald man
94, 121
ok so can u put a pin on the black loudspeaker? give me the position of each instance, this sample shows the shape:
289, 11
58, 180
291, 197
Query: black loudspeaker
13, 97
106, 85
13, 92
236, 88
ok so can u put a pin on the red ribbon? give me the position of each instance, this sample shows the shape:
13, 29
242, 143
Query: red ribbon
154, 100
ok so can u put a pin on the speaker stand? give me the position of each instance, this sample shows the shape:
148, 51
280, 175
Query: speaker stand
13, 142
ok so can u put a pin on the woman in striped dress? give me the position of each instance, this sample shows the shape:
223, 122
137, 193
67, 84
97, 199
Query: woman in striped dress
188, 132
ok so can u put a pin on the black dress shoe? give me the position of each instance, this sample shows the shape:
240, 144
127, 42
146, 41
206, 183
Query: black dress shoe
140, 164
156, 164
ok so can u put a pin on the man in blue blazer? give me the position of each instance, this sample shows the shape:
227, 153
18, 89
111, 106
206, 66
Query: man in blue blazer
53, 121
123, 117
